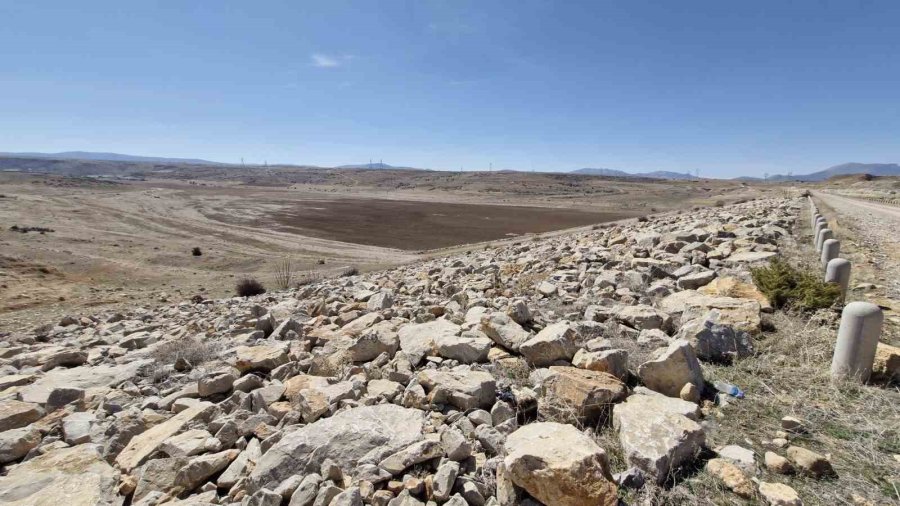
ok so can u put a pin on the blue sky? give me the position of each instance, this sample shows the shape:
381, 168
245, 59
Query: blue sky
729, 88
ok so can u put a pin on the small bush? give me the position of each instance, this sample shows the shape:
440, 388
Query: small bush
196, 251
284, 273
247, 287
349, 271
720, 203
785, 285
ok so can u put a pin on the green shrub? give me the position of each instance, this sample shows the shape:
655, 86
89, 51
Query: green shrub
786, 285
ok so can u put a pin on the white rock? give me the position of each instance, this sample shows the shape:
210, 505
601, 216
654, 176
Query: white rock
557, 464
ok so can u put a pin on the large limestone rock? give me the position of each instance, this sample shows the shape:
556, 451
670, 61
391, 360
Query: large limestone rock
145, 444
742, 314
375, 340
644, 317
716, 342
671, 369
259, 358
90, 379
360, 435
504, 330
652, 401
157, 475
750, 257
199, 469
52, 357
461, 387
655, 437
553, 343
15, 414
418, 340
732, 287
470, 347
557, 464
614, 362
75, 476
574, 394
381, 300
16, 443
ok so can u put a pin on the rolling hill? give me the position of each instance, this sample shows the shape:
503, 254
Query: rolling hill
844, 169
109, 157
659, 174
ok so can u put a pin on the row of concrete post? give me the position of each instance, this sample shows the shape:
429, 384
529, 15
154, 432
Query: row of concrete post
861, 322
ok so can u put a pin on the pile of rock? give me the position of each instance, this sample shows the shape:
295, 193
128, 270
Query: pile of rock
460, 380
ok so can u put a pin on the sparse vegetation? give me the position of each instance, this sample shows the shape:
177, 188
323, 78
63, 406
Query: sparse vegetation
787, 286
308, 278
191, 352
196, 251
349, 271
25, 230
248, 287
284, 273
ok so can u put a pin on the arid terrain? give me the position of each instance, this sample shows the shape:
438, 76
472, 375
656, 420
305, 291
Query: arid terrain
125, 235
638, 362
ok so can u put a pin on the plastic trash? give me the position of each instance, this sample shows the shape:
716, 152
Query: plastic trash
729, 389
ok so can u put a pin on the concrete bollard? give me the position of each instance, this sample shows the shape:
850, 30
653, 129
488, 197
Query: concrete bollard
814, 220
838, 271
831, 248
854, 352
824, 235
819, 226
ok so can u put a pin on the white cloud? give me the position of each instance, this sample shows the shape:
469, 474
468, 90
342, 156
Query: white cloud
325, 61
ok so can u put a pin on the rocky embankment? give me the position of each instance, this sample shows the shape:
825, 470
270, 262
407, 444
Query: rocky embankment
473, 379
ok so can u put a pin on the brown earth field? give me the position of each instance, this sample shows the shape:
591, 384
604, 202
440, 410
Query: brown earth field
415, 225
126, 240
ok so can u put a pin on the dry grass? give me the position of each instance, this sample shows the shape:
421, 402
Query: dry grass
858, 425
194, 350
284, 273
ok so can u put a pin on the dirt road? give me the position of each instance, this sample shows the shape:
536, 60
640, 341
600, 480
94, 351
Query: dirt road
870, 239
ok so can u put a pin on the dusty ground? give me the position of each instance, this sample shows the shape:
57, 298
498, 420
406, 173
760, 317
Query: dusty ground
127, 240
414, 225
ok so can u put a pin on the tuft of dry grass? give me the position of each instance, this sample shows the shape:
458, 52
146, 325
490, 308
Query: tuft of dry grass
284, 273
193, 350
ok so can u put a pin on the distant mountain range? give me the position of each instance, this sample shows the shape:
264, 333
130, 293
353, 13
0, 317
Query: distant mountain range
875, 169
659, 174
109, 157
